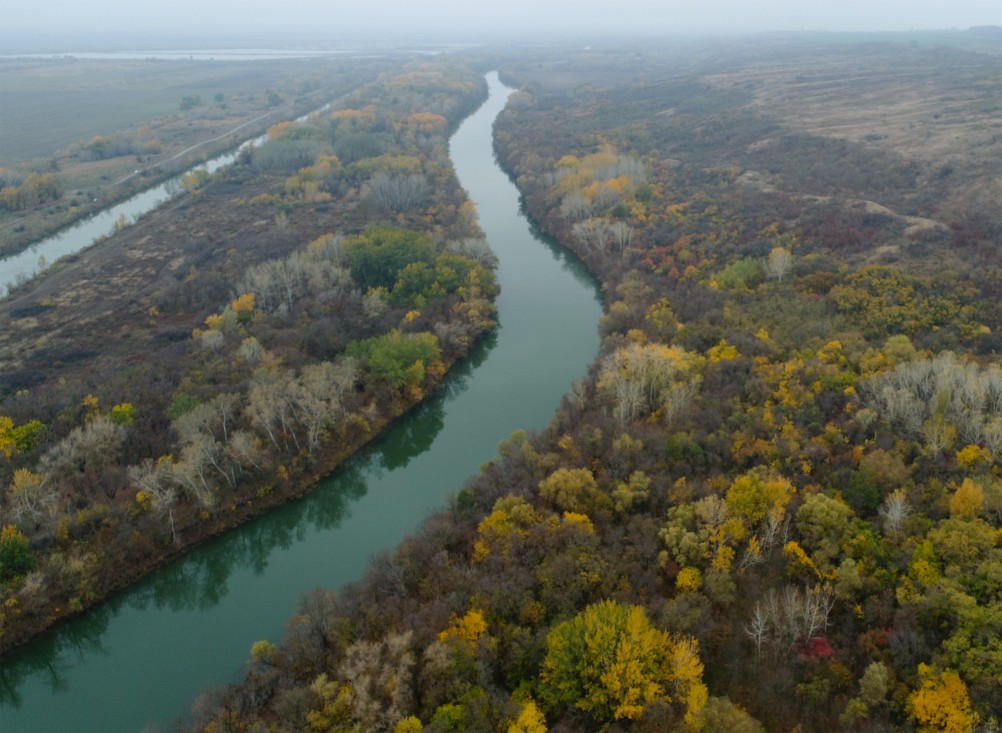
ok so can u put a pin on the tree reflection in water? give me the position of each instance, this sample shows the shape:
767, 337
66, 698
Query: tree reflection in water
199, 580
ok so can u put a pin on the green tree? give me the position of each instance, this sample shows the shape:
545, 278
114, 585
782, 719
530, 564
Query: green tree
396, 358
825, 524
16, 558
377, 256
420, 282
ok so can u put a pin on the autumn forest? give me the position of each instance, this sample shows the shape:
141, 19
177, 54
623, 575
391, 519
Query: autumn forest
773, 502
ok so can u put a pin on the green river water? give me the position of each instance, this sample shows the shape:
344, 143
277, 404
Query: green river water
141, 658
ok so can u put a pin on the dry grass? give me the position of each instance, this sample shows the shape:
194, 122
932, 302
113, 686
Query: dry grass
921, 105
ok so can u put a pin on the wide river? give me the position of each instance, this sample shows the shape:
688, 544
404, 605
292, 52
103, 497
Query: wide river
142, 658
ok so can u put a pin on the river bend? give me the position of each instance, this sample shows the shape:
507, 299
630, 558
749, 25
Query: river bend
144, 656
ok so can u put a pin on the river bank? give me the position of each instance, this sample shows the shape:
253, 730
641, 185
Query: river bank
110, 532
434, 447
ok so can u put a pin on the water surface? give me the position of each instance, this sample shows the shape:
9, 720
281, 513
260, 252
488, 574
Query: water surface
145, 655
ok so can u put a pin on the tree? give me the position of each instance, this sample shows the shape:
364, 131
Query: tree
319, 395
19, 438
6, 436
84, 452
941, 702
379, 676
593, 234
15, 555
756, 495
156, 489
32, 499
396, 358
778, 263
570, 489
377, 256
824, 524
530, 720
968, 501
611, 663
641, 379
894, 511
720, 714
398, 192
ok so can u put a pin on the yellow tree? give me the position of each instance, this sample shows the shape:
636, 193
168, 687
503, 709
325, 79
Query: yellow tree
611, 663
6, 436
967, 501
530, 720
570, 489
941, 702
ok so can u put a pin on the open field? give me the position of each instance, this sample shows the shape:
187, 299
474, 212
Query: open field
106, 129
50, 104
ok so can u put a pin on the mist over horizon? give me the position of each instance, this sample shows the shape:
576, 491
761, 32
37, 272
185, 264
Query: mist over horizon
112, 25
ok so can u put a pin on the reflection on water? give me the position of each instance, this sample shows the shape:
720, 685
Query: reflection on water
146, 654
199, 581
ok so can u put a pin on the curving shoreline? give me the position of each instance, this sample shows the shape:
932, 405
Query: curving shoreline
423, 456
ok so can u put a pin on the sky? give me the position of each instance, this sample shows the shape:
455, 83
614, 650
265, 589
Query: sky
474, 20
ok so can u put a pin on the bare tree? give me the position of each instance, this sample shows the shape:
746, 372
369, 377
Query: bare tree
592, 234
790, 618
213, 340
85, 451
894, 511
758, 627
575, 206
398, 192
622, 234
475, 249
778, 263
380, 676
32, 498
939, 399
155, 479
251, 350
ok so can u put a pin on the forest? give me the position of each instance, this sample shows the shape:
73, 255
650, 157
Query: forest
247, 353
774, 503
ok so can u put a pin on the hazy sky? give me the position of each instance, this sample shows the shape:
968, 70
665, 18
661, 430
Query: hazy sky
479, 18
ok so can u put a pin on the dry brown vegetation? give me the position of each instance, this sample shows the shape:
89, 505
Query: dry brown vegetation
941, 109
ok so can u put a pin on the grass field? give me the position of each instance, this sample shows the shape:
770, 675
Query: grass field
52, 104
50, 108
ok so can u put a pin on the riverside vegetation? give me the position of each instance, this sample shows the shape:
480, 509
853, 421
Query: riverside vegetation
344, 275
775, 503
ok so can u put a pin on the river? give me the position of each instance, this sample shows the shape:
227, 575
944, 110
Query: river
143, 657
28, 263
39, 255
